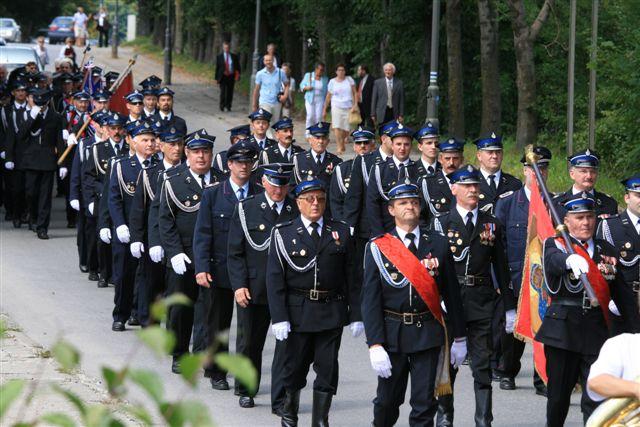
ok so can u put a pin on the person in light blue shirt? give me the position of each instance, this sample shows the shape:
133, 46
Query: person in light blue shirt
271, 89
314, 86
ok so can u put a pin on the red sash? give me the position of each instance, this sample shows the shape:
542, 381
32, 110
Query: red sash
413, 270
598, 282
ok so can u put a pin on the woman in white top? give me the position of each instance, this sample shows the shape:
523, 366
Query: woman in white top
314, 86
341, 95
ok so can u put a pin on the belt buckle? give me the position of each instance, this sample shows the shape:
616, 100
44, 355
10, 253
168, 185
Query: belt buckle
408, 316
470, 280
586, 302
635, 286
314, 295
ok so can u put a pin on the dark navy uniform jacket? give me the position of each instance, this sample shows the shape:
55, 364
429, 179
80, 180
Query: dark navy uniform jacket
38, 143
212, 230
379, 295
249, 233
340, 183
306, 165
122, 187
175, 122
479, 260
95, 169
268, 142
571, 327
436, 197
292, 267
273, 154
79, 158
153, 229
422, 171
605, 204
354, 205
488, 197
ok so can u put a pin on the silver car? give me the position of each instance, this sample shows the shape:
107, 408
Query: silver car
14, 56
9, 30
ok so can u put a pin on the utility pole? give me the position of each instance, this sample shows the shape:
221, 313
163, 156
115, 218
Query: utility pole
592, 75
570, 83
433, 90
167, 47
256, 55
114, 35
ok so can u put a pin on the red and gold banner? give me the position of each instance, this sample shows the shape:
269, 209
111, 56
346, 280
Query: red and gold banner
118, 102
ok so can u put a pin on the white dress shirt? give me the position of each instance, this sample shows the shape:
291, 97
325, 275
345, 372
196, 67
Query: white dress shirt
284, 150
236, 187
426, 164
574, 191
168, 165
307, 224
403, 236
397, 162
527, 192
634, 220
315, 156
270, 202
383, 154
164, 116
496, 178
142, 159
463, 214
207, 177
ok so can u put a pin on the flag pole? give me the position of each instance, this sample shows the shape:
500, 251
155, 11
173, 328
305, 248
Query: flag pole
561, 229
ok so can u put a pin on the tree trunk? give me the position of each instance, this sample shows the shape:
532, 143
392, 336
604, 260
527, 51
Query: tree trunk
305, 53
489, 69
421, 109
143, 25
454, 68
524, 35
322, 41
178, 39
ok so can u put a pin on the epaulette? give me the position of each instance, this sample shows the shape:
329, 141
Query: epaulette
213, 184
282, 224
506, 194
247, 198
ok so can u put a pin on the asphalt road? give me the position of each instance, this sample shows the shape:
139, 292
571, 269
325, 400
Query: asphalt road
42, 289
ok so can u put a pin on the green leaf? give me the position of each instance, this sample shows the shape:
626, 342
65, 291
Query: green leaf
186, 412
172, 414
73, 398
114, 380
160, 308
157, 339
66, 355
140, 413
98, 416
149, 381
9, 392
3, 328
240, 367
58, 419
190, 365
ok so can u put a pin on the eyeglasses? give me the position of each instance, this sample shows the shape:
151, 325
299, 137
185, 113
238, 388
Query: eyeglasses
367, 142
135, 103
311, 199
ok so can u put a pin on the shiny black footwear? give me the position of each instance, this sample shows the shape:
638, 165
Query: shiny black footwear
495, 376
507, 383
117, 326
42, 235
102, 283
133, 321
175, 366
83, 268
246, 402
541, 390
93, 276
219, 384
277, 411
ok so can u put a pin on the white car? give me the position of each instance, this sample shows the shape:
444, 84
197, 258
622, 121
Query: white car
9, 30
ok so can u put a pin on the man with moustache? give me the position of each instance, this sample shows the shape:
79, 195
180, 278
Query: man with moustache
165, 112
285, 149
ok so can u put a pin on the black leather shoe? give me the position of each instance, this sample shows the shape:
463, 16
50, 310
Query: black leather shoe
541, 390
219, 384
93, 276
117, 326
42, 235
495, 376
16, 223
507, 383
246, 402
277, 411
102, 283
133, 321
84, 268
175, 366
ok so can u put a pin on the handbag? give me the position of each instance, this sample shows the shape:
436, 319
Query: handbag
354, 117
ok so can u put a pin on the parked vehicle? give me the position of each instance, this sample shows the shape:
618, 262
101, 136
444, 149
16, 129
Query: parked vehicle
9, 30
13, 56
60, 28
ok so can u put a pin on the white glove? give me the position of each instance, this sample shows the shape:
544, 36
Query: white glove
281, 330
62, 173
380, 361
72, 140
123, 233
357, 328
90, 207
9, 166
509, 321
35, 110
136, 249
444, 307
65, 134
75, 204
351, 231
613, 308
156, 253
577, 265
179, 263
3, 154
105, 235
458, 352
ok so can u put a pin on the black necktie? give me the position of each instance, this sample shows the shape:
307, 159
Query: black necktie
469, 224
402, 173
315, 235
430, 170
286, 155
118, 150
202, 180
274, 211
492, 183
318, 159
240, 193
412, 243
145, 164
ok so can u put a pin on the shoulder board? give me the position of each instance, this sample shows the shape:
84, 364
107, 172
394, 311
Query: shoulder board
283, 224
211, 185
246, 198
616, 216
506, 194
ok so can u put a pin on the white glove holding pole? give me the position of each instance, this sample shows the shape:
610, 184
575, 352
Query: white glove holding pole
62, 173
380, 361
577, 265
90, 207
123, 233
179, 263
72, 140
281, 330
357, 328
65, 134
105, 235
75, 204
136, 248
613, 308
458, 352
3, 154
156, 253
509, 321
9, 166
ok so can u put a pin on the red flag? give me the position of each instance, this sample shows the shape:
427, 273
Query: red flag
534, 298
118, 102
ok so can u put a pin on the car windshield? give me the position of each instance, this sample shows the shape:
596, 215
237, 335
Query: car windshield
10, 55
6, 23
63, 21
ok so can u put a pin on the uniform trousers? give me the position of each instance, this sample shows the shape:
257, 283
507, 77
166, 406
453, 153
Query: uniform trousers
150, 285
480, 348
181, 316
497, 326
105, 258
124, 276
91, 241
253, 326
39, 190
512, 350
16, 181
277, 375
422, 367
564, 369
81, 238
359, 248
321, 349
72, 214
5, 189
200, 326
219, 314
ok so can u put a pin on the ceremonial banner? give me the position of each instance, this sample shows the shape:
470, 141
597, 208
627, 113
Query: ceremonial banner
118, 102
534, 298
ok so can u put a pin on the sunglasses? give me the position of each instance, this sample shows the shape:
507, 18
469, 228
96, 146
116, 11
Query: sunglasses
135, 103
361, 142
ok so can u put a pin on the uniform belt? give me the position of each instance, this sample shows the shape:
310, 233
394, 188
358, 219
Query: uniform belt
471, 280
584, 302
318, 294
408, 318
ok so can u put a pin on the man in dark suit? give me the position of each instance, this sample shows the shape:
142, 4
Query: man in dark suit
210, 246
227, 73
285, 149
364, 93
316, 162
165, 114
387, 98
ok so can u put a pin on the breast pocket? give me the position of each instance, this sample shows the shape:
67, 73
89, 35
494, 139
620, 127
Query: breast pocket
221, 221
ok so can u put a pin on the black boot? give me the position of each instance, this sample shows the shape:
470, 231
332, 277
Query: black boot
321, 406
290, 409
445, 411
483, 416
